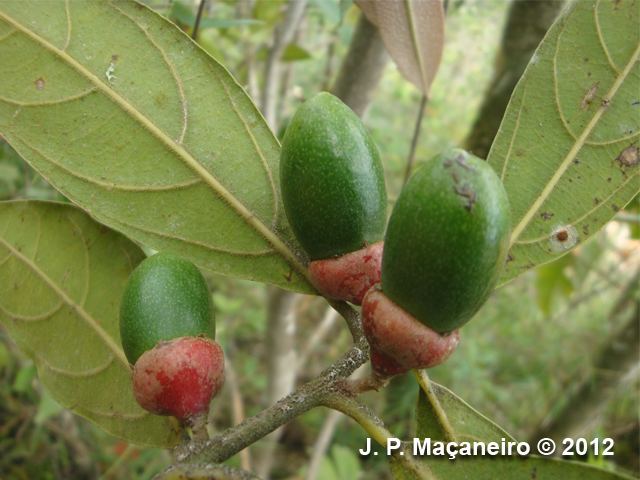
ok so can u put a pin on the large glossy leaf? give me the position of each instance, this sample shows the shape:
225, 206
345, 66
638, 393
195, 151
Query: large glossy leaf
61, 279
131, 120
413, 34
567, 149
470, 426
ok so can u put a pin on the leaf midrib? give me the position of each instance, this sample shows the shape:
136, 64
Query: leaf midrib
248, 216
577, 146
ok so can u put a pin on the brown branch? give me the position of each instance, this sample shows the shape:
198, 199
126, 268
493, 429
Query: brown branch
310, 395
362, 67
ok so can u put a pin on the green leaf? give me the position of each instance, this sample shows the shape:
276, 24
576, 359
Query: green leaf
567, 148
47, 408
346, 462
184, 15
470, 426
295, 53
552, 280
61, 279
131, 120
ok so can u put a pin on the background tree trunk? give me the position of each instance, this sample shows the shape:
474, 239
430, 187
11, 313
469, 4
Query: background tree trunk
281, 38
362, 67
527, 23
617, 363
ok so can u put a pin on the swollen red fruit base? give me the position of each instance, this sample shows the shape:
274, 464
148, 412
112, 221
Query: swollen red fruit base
179, 377
350, 276
398, 341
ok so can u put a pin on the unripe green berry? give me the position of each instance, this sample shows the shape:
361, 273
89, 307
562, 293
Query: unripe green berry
166, 297
332, 179
447, 240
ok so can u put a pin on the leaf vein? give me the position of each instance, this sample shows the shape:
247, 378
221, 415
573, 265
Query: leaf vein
256, 146
516, 128
90, 372
600, 205
110, 185
32, 318
83, 314
68, 15
197, 243
42, 103
596, 18
85, 249
577, 146
179, 150
7, 35
171, 67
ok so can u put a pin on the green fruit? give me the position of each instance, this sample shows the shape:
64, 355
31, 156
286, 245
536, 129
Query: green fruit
447, 240
332, 179
166, 297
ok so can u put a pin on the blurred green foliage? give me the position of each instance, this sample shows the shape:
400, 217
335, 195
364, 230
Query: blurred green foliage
518, 359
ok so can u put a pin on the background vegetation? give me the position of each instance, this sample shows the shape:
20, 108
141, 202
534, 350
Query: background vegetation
531, 357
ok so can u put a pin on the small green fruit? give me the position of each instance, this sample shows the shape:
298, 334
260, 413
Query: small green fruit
332, 179
447, 240
166, 297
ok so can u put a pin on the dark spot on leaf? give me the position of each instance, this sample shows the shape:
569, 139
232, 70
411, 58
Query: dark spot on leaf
589, 96
635, 103
562, 235
606, 102
546, 215
615, 207
519, 152
40, 83
576, 161
585, 229
596, 201
534, 473
160, 99
629, 156
114, 57
609, 179
510, 258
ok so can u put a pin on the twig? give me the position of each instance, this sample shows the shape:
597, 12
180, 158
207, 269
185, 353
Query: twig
352, 318
322, 443
378, 432
441, 415
115, 466
310, 395
361, 414
281, 38
321, 331
196, 26
414, 140
205, 471
237, 408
